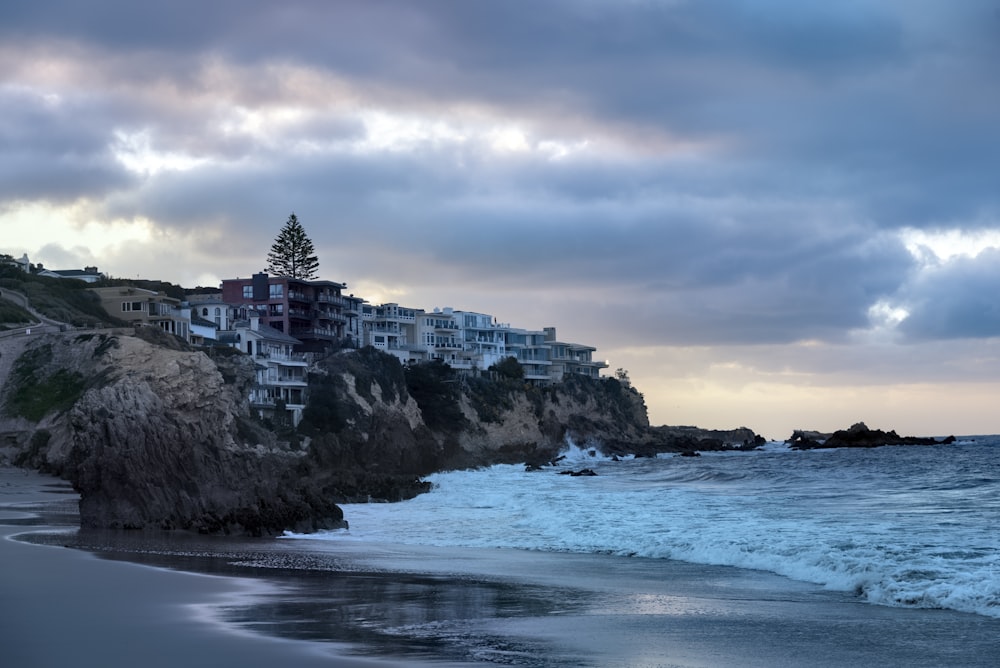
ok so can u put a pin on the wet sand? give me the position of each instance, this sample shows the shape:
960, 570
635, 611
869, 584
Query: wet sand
128, 599
66, 607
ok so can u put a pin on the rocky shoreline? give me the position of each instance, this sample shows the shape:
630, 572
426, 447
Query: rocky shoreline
858, 436
156, 434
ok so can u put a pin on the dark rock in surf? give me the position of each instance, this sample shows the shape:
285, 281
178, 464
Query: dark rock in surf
859, 436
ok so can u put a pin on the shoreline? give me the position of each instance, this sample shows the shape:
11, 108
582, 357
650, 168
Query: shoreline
64, 606
130, 598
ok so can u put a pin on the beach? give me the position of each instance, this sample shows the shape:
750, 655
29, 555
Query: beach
63, 607
177, 599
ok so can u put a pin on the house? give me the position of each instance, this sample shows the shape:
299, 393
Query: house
314, 312
469, 341
146, 307
393, 329
209, 306
279, 393
531, 349
203, 332
571, 358
464, 340
87, 274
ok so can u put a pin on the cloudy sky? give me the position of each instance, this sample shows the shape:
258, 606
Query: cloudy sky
772, 213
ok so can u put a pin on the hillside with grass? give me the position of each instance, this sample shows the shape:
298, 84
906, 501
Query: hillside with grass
65, 300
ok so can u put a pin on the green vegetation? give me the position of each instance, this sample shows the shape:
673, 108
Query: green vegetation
508, 368
33, 393
166, 287
494, 394
324, 412
12, 315
63, 299
435, 388
292, 252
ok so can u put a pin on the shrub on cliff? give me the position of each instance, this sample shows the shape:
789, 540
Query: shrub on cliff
435, 388
65, 300
35, 391
12, 314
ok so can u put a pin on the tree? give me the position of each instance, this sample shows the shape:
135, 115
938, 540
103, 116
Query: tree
508, 367
292, 252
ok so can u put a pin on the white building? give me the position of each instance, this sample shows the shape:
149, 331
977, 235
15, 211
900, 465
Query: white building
393, 329
280, 391
210, 307
471, 341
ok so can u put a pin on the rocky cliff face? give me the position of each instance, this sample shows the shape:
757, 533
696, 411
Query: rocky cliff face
155, 437
155, 434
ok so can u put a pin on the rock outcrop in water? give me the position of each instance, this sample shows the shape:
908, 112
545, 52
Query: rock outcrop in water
858, 436
154, 433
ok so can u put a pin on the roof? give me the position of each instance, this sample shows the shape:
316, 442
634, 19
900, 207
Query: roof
196, 320
266, 332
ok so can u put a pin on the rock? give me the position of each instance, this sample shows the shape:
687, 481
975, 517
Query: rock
160, 435
858, 435
577, 474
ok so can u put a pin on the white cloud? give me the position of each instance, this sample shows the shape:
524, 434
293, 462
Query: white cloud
933, 246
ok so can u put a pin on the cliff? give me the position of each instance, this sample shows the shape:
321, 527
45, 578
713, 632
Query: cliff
153, 433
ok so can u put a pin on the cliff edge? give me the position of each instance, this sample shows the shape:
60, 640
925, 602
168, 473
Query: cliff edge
156, 434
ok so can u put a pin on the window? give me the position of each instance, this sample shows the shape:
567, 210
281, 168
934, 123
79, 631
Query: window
247, 292
276, 291
133, 306
204, 312
218, 311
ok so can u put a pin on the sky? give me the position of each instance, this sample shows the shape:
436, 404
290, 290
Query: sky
771, 213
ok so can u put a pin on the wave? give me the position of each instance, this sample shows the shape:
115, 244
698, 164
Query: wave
891, 526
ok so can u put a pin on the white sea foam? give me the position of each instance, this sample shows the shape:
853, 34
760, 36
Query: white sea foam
894, 524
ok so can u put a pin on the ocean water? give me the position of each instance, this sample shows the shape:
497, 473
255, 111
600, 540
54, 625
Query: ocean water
913, 527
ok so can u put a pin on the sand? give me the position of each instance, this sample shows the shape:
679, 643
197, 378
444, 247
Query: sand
66, 607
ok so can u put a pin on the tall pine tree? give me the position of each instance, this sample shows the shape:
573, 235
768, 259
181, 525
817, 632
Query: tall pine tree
292, 252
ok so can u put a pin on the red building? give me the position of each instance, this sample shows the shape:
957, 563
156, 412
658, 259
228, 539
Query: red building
314, 312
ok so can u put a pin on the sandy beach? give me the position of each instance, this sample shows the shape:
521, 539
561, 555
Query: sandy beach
63, 607
128, 599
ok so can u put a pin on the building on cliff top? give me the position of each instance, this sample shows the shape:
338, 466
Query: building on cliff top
279, 393
314, 312
146, 307
470, 341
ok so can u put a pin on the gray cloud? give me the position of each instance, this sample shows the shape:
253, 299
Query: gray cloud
745, 174
959, 299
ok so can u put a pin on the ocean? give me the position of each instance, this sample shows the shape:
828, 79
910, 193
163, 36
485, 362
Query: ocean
902, 526
774, 558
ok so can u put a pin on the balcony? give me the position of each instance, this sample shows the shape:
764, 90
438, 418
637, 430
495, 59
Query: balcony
315, 333
329, 315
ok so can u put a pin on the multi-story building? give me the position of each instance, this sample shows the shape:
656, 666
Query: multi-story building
464, 340
211, 307
393, 329
314, 312
571, 358
279, 393
146, 307
531, 349
468, 341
